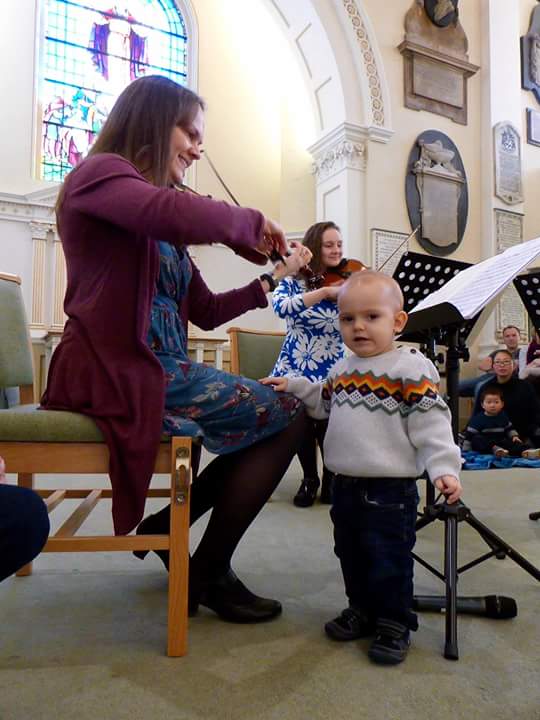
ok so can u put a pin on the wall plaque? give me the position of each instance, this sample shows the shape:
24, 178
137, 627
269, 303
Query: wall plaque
507, 152
510, 309
436, 63
387, 247
530, 55
533, 127
436, 193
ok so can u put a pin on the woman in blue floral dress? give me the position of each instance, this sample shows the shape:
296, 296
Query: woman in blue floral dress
313, 343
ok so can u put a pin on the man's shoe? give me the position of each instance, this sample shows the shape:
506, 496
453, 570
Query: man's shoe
232, 601
391, 643
352, 624
307, 492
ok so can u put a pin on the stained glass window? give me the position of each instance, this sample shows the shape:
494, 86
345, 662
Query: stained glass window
92, 50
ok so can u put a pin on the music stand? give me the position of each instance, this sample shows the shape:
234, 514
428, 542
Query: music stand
528, 287
443, 324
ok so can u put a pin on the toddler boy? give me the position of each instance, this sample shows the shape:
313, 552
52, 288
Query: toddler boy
491, 432
387, 424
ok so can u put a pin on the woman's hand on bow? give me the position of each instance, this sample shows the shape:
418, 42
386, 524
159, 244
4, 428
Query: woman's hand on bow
273, 239
297, 257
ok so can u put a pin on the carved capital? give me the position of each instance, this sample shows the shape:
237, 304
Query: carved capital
39, 231
345, 154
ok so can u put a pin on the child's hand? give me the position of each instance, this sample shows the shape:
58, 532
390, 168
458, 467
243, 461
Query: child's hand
278, 383
3, 478
450, 486
516, 438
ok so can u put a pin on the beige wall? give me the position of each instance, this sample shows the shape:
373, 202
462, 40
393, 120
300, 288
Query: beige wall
261, 119
531, 153
388, 163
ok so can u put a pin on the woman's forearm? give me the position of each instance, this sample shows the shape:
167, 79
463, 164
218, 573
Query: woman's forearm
314, 296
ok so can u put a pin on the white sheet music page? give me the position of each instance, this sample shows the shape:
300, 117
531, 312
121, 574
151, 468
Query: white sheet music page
473, 288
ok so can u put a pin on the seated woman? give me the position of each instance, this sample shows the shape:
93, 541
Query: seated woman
521, 404
312, 345
123, 356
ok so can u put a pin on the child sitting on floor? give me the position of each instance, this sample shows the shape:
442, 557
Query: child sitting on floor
387, 424
491, 432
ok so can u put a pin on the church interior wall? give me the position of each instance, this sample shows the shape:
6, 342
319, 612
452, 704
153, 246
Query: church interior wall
531, 153
387, 163
261, 119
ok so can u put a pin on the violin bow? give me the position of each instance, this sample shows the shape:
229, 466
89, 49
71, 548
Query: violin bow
401, 244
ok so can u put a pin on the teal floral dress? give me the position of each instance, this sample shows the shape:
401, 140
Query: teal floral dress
226, 411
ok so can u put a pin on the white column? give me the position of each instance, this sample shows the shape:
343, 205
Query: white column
340, 169
39, 232
59, 286
501, 101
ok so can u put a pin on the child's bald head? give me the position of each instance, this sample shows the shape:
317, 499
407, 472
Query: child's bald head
370, 312
376, 282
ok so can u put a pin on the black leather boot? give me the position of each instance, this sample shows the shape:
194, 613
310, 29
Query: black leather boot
231, 600
307, 492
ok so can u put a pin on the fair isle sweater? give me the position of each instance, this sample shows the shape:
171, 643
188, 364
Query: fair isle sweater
386, 417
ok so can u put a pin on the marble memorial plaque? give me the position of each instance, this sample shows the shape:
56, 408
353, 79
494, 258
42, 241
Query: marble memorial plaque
436, 63
533, 127
507, 151
438, 82
510, 309
387, 249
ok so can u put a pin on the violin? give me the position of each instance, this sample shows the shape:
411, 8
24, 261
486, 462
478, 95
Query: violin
333, 275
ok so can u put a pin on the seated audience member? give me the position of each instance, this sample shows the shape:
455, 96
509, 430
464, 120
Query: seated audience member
511, 337
530, 369
491, 432
24, 525
520, 401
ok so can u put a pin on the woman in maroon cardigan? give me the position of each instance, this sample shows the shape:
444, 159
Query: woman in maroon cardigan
131, 287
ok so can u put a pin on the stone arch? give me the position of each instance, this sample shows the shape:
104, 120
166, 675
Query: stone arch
343, 70
338, 52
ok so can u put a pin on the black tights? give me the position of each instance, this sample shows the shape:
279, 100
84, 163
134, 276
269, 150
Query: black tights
235, 487
307, 448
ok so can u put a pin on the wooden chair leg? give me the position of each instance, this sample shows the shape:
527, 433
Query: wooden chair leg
25, 480
179, 547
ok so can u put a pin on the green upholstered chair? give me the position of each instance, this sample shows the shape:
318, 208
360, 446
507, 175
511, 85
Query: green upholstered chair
44, 441
254, 352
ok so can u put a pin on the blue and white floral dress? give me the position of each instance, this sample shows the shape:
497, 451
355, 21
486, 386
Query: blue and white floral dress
313, 342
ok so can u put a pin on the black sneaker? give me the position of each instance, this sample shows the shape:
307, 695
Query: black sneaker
391, 643
352, 624
307, 492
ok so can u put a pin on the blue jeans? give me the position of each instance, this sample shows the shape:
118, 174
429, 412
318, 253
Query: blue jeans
471, 386
374, 534
24, 528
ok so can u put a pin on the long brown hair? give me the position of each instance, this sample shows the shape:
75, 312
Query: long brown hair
313, 241
140, 123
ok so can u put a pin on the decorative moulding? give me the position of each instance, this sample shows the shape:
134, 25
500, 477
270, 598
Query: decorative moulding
344, 148
37, 206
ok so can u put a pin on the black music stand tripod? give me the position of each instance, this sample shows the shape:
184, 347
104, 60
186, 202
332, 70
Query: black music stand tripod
443, 325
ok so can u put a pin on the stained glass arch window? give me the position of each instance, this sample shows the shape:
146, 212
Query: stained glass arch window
91, 50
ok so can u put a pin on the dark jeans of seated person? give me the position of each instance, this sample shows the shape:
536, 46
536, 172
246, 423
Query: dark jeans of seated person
488, 447
24, 528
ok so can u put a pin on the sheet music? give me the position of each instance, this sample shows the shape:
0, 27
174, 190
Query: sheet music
473, 288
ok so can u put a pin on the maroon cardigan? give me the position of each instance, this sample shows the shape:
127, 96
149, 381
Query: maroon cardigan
110, 220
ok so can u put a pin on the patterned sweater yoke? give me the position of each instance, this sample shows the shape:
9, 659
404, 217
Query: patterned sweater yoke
386, 416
